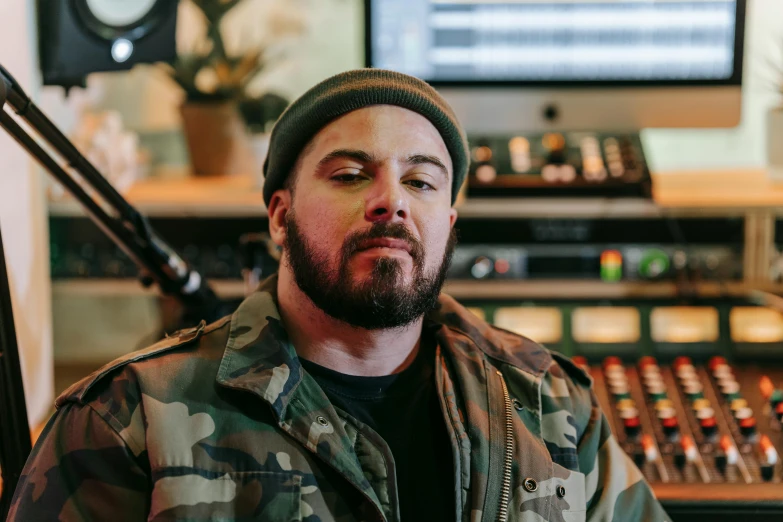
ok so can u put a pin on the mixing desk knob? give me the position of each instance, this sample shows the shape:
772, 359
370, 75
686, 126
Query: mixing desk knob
728, 447
686, 372
779, 411
743, 412
722, 371
638, 456
679, 457
621, 392
651, 370
646, 361
632, 426
708, 426
770, 454
670, 426
748, 426
769, 457
776, 398
657, 391
653, 264
730, 390
715, 362
738, 404
688, 448
679, 361
486, 173
767, 389
720, 461
648, 446
694, 390
482, 267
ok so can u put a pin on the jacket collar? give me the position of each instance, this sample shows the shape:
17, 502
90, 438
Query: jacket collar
462, 333
260, 358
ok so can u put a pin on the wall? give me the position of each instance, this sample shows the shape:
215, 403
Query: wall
23, 222
744, 145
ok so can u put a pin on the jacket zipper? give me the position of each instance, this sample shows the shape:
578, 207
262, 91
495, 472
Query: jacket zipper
508, 455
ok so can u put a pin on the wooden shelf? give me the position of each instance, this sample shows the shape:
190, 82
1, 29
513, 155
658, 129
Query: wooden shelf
729, 192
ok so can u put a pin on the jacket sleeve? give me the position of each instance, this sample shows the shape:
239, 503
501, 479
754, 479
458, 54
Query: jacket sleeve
615, 488
80, 469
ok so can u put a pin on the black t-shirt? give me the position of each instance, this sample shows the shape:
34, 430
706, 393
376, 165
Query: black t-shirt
405, 411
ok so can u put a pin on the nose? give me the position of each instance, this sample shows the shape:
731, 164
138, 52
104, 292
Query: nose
386, 200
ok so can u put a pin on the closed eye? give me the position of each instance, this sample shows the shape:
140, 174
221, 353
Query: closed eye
347, 178
419, 184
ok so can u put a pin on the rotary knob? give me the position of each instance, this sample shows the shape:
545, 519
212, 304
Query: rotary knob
482, 267
653, 264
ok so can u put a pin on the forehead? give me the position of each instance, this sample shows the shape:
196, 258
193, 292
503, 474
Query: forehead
385, 131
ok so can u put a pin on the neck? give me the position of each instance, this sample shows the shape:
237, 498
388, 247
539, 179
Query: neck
337, 345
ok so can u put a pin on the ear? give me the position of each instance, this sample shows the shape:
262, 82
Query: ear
278, 208
452, 217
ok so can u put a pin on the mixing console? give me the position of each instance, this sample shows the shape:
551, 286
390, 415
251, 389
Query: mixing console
694, 394
699, 432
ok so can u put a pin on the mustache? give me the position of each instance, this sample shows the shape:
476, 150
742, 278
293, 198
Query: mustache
399, 231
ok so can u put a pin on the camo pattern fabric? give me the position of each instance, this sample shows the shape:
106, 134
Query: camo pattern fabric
221, 422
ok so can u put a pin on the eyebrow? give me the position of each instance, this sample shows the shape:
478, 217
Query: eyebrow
421, 159
366, 158
358, 155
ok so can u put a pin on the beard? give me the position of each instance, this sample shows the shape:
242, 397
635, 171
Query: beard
381, 301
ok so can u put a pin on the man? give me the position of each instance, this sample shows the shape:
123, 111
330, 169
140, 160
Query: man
345, 388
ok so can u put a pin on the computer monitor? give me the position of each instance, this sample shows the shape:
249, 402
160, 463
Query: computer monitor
535, 65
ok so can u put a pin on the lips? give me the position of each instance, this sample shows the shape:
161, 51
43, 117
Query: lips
385, 243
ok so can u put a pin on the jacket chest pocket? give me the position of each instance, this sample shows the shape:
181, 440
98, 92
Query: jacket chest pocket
569, 503
250, 495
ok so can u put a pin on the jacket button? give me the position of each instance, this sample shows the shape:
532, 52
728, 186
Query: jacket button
560, 491
517, 405
322, 421
530, 485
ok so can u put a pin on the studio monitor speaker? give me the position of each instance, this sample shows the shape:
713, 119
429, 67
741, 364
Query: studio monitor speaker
78, 37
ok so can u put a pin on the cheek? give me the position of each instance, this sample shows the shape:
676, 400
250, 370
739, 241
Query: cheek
436, 237
324, 226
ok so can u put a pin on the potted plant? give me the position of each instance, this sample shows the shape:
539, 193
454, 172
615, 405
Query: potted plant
215, 82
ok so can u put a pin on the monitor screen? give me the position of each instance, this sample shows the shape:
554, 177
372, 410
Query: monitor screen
453, 42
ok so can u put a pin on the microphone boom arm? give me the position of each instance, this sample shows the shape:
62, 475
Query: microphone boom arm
158, 263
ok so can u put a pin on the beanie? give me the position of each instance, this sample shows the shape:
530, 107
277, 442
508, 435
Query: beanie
349, 91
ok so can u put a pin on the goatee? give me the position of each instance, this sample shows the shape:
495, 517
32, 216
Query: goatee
382, 300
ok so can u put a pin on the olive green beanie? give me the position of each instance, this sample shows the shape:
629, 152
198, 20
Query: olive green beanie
349, 91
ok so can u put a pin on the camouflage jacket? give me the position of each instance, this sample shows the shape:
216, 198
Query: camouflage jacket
221, 422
